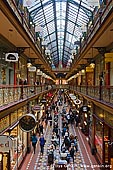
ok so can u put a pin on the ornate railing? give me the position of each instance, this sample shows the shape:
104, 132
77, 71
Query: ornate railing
103, 93
10, 94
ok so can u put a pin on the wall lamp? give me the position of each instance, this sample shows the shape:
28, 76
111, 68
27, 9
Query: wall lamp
92, 64
29, 63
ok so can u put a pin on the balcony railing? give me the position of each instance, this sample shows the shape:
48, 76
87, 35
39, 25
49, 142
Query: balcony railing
103, 93
11, 94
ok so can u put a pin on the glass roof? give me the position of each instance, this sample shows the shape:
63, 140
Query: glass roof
61, 23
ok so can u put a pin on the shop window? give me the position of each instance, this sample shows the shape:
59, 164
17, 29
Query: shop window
19, 147
98, 137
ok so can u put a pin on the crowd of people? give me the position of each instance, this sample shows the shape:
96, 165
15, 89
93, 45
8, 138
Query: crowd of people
61, 137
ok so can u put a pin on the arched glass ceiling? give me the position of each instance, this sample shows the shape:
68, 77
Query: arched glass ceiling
61, 22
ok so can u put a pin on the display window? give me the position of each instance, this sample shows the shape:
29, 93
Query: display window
4, 123
13, 117
19, 147
22, 111
109, 118
106, 146
19, 138
21, 70
98, 138
111, 147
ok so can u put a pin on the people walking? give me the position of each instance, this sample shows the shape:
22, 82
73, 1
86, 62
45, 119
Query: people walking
72, 151
34, 141
42, 143
41, 128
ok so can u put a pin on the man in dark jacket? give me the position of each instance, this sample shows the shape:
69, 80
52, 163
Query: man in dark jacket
42, 143
72, 151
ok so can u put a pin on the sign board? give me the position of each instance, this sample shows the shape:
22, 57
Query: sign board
27, 122
108, 57
43, 101
36, 108
89, 69
85, 108
32, 69
5, 143
11, 57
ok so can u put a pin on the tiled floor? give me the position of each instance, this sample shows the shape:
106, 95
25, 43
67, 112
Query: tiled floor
83, 159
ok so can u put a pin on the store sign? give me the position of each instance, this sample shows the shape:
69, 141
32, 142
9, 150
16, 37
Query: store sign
108, 57
5, 143
43, 101
36, 108
89, 69
11, 57
32, 69
27, 122
84, 108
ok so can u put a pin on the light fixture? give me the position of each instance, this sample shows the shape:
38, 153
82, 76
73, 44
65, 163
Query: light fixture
83, 71
38, 70
85, 115
92, 65
29, 63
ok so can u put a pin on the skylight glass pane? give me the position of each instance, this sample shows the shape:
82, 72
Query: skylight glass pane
44, 1
57, 24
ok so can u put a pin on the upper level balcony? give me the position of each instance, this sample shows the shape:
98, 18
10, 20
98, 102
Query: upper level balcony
11, 95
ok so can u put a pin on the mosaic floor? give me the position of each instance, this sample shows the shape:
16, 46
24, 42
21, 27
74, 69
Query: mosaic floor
41, 162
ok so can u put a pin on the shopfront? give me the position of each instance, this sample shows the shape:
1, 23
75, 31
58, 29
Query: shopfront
9, 126
103, 136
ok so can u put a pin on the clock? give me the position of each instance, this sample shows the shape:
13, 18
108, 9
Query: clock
27, 122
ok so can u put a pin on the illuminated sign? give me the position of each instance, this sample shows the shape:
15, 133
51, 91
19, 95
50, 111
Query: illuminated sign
11, 57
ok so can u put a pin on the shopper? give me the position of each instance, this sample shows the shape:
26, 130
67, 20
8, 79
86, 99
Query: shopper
41, 128
42, 143
72, 151
34, 141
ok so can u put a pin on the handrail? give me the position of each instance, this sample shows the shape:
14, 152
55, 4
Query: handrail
10, 94
14, 93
